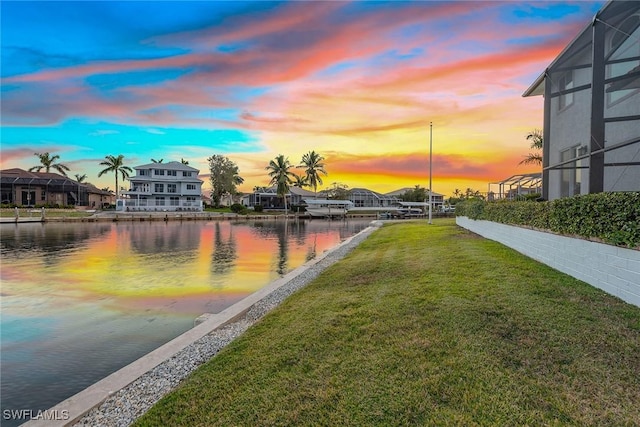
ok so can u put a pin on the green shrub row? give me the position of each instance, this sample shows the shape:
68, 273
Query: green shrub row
239, 209
611, 217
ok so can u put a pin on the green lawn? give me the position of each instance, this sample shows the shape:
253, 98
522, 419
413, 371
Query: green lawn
425, 325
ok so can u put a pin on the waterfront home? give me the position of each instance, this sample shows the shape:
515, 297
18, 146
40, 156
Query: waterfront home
592, 107
268, 197
171, 186
437, 199
24, 188
363, 198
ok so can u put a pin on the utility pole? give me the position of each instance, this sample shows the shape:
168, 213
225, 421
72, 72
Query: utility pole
430, 167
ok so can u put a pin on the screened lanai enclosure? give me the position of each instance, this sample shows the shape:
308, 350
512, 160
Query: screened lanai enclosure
591, 139
31, 189
516, 187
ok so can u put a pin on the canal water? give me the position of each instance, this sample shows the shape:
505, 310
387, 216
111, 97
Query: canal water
81, 300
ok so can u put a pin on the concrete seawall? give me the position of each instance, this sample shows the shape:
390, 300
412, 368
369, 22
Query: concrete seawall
162, 216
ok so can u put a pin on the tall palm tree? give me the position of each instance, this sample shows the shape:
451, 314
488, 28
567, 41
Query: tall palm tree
281, 176
536, 139
312, 162
116, 165
48, 162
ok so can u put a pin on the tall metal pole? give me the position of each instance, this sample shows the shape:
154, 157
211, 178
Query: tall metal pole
430, 164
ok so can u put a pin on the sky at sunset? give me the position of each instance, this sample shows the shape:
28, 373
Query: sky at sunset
358, 82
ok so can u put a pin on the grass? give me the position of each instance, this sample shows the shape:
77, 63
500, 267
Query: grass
425, 325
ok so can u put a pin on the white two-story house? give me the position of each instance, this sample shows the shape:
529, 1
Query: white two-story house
591, 140
160, 187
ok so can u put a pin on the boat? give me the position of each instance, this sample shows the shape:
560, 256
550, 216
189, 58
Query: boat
325, 208
404, 212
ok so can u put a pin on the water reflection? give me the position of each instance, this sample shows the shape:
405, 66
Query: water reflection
81, 300
224, 252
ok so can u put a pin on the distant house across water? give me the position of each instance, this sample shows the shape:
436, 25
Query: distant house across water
362, 198
24, 188
171, 186
268, 198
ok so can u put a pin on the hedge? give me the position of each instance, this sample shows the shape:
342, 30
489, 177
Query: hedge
613, 218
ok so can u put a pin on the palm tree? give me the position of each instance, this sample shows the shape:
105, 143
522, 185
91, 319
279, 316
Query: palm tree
80, 178
157, 161
300, 181
48, 162
183, 161
536, 138
312, 162
116, 165
281, 176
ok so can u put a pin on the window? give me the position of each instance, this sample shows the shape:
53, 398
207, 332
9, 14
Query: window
141, 188
158, 172
624, 46
159, 188
191, 201
43, 195
184, 173
174, 201
172, 188
191, 186
171, 173
565, 83
571, 174
143, 172
159, 201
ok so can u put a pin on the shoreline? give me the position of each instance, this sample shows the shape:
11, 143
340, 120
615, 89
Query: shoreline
165, 216
122, 397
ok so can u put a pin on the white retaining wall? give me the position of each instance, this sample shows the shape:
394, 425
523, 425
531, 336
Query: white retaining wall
613, 269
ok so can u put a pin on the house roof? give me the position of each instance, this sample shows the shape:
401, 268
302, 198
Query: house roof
292, 190
526, 179
21, 176
173, 165
21, 173
404, 190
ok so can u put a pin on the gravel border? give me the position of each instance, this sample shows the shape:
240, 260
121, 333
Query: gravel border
128, 404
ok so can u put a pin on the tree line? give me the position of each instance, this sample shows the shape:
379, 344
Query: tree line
225, 177
224, 173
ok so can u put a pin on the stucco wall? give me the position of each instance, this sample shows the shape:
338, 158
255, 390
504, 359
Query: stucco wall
613, 269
